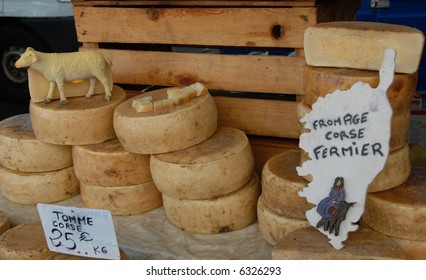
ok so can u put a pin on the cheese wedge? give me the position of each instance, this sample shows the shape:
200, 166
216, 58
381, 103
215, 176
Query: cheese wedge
20, 149
361, 45
400, 212
281, 186
38, 187
273, 226
363, 244
81, 121
222, 214
4, 222
218, 166
24, 242
165, 130
108, 164
122, 200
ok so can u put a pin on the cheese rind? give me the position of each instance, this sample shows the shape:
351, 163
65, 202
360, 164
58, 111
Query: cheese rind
273, 226
222, 214
24, 242
361, 45
218, 166
400, 212
414, 250
81, 121
108, 164
165, 130
22, 151
122, 200
281, 185
4, 222
38, 187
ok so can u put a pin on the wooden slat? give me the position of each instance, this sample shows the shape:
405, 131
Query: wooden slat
258, 116
244, 27
252, 73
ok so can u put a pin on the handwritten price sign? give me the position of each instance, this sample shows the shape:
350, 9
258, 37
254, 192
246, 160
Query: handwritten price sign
79, 231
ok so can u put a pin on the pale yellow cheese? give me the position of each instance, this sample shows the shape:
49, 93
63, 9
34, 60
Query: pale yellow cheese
24, 242
281, 186
20, 150
273, 226
361, 45
143, 104
311, 244
414, 250
81, 121
4, 222
222, 214
165, 130
122, 200
218, 166
38, 187
400, 212
109, 164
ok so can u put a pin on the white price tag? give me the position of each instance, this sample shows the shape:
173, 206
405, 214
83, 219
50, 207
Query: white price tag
79, 231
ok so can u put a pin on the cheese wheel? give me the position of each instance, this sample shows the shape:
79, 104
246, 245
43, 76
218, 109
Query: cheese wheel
320, 81
167, 129
414, 250
109, 164
81, 121
22, 151
400, 212
222, 214
218, 166
38, 187
273, 226
122, 200
66, 257
281, 185
24, 242
400, 124
4, 222
361, 45
311, 244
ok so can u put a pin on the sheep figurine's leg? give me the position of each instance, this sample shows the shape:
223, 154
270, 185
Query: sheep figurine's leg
63, 99
92, 81
50, 93
104, 81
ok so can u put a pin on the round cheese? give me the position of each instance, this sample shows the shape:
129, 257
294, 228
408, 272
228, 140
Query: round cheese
218, 166
24, 242
81, 121
281, 185
400, 124
400, 212
414, 250
319, 81
168, 129
222, 214
122, 200
109, 164
4, 222
311, 244
38, 187
22, 151
273, 226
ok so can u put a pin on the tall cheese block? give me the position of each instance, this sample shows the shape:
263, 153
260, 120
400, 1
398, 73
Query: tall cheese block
20, 150
281, 185
122, 200
226, 213
109, 164
400, 212
4, 222
168, 129
273, 226
361, 45
218, 166
81, 121
38, 187
24, 242
363, 244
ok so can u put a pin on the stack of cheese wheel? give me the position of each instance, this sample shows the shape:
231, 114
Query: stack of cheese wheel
280, 209
210, 187
114, 179
31, 170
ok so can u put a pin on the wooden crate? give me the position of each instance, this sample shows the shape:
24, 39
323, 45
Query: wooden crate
140, 37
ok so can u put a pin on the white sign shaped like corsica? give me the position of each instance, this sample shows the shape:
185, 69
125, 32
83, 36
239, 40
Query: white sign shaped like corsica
348, 144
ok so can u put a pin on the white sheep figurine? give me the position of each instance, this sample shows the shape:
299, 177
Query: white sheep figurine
63, 67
